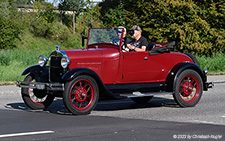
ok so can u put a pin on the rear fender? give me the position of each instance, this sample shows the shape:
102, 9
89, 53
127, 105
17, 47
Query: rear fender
70, 75
176, 71
40, 73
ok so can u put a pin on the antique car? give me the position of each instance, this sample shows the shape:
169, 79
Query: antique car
103, 69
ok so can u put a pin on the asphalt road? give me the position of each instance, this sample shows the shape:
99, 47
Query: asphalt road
160, 119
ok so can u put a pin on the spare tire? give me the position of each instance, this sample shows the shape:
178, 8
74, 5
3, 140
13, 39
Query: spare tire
194, 59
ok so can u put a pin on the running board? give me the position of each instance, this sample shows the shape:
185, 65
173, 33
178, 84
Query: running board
139, 94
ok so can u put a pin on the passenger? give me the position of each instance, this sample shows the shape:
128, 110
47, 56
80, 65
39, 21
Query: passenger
139, 43
125, 39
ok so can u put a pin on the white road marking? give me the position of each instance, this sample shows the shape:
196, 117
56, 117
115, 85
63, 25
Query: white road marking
223, 116
25, 134
206, 122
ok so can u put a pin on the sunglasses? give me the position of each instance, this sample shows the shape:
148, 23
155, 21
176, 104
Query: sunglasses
119, 30
131, 32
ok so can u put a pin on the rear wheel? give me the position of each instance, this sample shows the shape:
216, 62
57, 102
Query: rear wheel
188, 89
142, 99
81, 95
35, 99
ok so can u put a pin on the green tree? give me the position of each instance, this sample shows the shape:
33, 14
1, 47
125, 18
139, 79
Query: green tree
76, 6
43, 19
197, 26
116, 17
4, 9
9, 25
113, 13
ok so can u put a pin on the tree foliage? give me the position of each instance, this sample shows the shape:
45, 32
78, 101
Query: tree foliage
44, 19
197, 26
76, 6
10, 27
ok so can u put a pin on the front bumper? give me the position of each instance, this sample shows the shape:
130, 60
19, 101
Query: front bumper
209, 84
51, 86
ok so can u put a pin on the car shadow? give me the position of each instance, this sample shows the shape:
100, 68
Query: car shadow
58, 107
125, 104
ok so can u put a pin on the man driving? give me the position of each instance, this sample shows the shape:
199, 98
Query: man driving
139, 43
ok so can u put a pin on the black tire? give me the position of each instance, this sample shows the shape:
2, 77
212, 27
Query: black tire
81, 95
188, 88
194, 59
35, 99
142, 99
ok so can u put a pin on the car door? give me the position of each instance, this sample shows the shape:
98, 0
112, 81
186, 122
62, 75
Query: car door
140, 67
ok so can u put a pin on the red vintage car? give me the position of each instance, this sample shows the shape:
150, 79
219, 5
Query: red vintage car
103, 69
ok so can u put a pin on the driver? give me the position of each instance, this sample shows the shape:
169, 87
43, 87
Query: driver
139, 43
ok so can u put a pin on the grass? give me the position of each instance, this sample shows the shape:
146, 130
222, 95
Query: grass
14, 61
215, 64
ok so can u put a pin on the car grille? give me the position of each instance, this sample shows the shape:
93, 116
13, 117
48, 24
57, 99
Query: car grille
56, 70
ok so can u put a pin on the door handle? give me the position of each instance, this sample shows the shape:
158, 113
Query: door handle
146, 58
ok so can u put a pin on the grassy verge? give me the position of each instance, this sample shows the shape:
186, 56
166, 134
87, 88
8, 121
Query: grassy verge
215, 65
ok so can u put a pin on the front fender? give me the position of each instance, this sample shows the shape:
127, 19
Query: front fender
70, 75
177, 69
40, 73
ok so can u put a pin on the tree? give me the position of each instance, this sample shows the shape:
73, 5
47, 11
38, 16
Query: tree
76, 6
10, 26
4, 9
44, 19
115, 17
197, 26
113, 13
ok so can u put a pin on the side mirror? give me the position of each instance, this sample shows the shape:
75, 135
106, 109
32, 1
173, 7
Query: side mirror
83, 38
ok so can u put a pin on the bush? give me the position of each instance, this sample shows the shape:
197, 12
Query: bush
59, 32
9, 32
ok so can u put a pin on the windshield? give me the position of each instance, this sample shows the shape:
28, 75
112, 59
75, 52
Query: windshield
104, 35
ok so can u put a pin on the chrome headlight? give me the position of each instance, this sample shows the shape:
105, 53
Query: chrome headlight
65, 61
42, 60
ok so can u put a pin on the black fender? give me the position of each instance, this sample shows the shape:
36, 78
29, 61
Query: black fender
71, 74
176, 71
40, 73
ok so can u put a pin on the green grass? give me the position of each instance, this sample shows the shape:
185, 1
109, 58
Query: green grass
13, 62
215, 64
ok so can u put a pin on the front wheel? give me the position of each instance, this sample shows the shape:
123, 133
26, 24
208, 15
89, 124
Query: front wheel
81, 95
188, 88
35, 99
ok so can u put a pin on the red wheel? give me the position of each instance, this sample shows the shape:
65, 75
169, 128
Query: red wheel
188, 89
81, 95
35, 99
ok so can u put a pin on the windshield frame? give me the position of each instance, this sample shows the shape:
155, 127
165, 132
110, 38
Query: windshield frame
102, 43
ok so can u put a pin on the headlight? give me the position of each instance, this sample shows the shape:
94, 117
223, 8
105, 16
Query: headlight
65, 61
42, 60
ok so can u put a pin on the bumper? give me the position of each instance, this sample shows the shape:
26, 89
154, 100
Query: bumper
209, 85
41, 85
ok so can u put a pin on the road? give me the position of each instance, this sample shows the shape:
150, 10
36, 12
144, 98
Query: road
160, 119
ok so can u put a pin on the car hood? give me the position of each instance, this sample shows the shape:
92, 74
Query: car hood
79, 57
